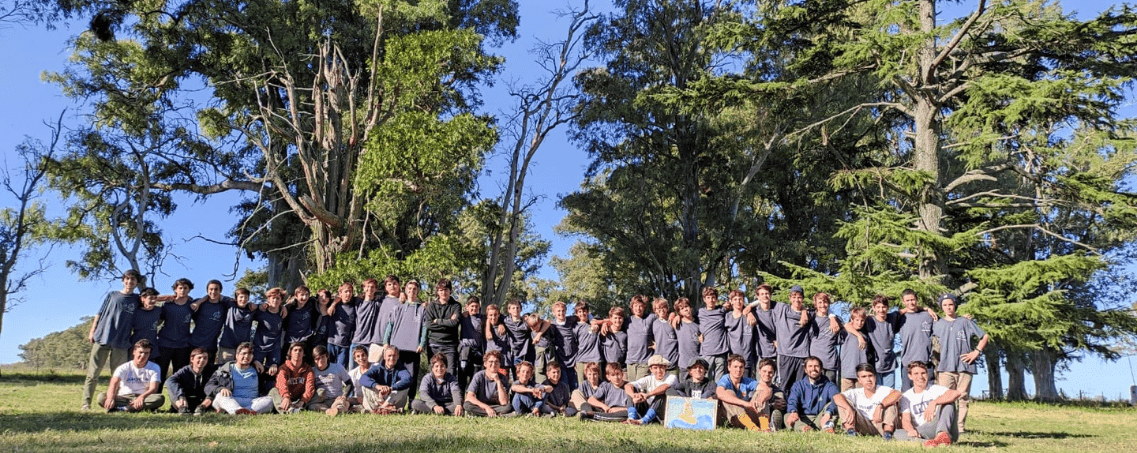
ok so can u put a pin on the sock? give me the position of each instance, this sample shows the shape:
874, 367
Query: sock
649, 416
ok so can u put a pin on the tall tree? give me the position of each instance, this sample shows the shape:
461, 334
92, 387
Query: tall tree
541, 108
1007, 183
325, 108
704, 162
24, 225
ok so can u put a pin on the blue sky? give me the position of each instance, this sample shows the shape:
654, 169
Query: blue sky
58, 299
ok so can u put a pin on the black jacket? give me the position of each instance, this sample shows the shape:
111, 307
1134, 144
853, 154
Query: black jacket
449, 316
185, 383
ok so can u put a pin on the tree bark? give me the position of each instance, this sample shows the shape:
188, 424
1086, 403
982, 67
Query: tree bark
994, 371
1042, 364
1016, 376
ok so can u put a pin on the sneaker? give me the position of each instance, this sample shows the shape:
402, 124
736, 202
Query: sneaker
85, 407
887, 436
199, 411
243, 411
941, 439
184, 410
851, 432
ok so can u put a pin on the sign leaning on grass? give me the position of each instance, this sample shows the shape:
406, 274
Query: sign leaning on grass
691, 413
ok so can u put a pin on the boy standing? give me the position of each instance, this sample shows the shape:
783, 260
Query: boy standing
791, 328
405, 331
110, 332
957, 357
915, 327
639, 338
712, 325
209, 318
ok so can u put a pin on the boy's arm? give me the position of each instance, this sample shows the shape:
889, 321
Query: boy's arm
972, 356
112, 390
834, 323
91, 333
856, 333
892, 398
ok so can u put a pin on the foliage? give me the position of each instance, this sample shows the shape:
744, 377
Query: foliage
314, 111
66, 349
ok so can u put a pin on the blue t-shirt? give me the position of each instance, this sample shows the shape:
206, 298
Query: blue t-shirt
341, 325
145, 326
269, 337
245, 383
175, 331
238, 325
299, 325
208, 321
639, 338
115, 319
745, 389
712, 324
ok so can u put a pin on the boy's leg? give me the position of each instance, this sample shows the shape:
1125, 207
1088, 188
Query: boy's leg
541, 360
420, 406
964, 388
276, 397
95, 362
227, 404
261, 405
153, 402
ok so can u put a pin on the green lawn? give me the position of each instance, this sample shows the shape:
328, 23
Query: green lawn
39, 412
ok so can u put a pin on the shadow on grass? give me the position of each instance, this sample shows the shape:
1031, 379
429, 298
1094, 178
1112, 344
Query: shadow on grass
98, 420
986, 444
1037, 435
33, 379
441, 443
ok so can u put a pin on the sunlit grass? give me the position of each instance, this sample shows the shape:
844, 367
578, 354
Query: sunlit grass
39, 412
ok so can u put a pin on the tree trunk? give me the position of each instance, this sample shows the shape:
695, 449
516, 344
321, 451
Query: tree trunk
1016, 376
1042, 364
994, 372
926, 141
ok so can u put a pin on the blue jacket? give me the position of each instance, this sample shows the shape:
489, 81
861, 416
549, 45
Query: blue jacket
812, 398
398, 378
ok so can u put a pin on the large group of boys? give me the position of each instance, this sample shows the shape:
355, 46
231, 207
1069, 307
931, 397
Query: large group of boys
308, 352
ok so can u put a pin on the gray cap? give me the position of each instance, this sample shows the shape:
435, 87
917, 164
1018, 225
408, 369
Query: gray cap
948, 296
797, 289
699, 362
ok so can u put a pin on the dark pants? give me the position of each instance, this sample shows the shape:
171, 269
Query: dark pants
790, 370
410, 360
470, 362
593, 413
475, 410
449, 351
178, 357
340, 354
421, 407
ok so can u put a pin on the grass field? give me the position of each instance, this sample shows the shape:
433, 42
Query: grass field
39, 412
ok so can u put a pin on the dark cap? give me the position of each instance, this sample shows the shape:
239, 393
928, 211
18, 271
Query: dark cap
948, 296
699, 362
797, 289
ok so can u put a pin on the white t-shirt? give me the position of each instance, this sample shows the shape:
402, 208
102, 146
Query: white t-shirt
865, 404
355, 374
133, 380
917, 403
649, 382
